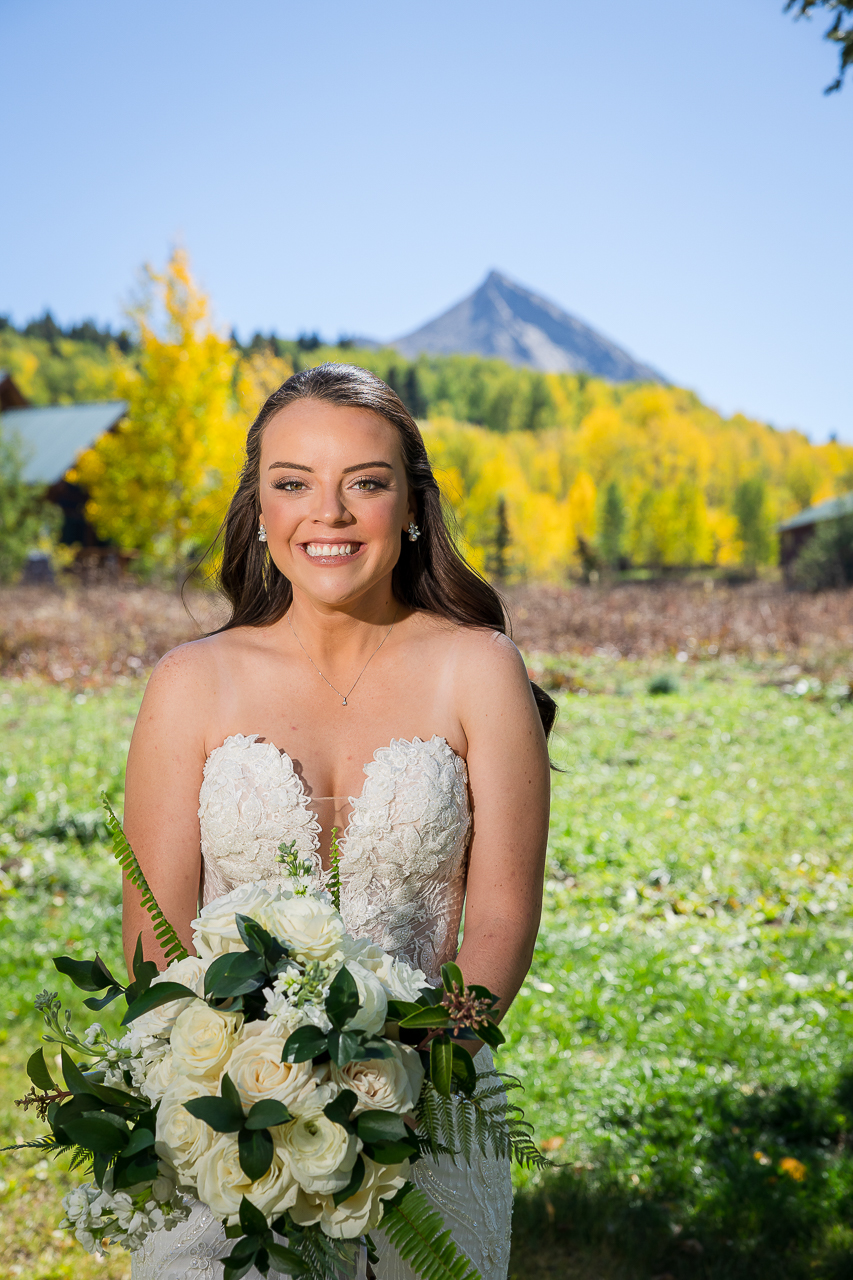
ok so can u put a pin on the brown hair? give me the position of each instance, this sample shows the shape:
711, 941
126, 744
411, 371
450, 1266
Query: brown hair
430, 573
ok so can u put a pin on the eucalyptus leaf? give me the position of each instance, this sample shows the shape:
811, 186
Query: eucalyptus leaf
342, 1001
304, 1044
38, 1072
266, 1113
380, 1126
154, 996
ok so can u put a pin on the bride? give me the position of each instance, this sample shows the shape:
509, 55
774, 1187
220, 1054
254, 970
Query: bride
363, 683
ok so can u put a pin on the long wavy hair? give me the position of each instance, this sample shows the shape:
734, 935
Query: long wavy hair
430, 573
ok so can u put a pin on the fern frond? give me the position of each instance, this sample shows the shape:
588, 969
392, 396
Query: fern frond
417, 1231
458, 1126
333, 882
173, 948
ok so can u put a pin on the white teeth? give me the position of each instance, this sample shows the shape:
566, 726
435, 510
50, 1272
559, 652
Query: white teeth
329, 549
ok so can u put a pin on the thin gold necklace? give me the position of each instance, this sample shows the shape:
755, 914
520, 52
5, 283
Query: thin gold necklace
343, 696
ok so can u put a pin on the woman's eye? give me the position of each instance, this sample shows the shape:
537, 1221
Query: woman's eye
289, 486
368, 484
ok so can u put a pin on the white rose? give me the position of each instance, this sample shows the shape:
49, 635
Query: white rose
181, 1139
374, 1003
384, 1084
363, 1211
321, 1153
157, 1080
256, 1068
367, 953
400, 980
222, 1182
312, 928
215, 930
307, 1209
202, 1040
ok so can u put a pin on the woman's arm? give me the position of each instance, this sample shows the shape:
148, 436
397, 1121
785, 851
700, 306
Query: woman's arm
509, 779
165, 767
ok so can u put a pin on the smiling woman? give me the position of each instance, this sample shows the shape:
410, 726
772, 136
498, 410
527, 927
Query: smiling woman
363, 660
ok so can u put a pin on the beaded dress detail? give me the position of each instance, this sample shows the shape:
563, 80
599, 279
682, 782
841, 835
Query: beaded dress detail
403, 873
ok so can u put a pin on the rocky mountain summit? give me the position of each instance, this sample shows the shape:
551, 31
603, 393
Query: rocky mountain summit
504, 320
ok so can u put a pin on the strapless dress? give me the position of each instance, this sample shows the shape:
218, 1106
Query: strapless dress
403, 874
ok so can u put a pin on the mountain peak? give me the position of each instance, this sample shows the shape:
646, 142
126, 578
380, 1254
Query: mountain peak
507, 321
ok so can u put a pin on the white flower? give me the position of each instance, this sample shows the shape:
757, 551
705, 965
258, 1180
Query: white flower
384, 1084
363, 1211
222, 1182
257, 1071
321, 1153
400, 980
164, 1185
181, 1139
159, 1022
158, 1077
202, 1040
312, 928
372, 998
215, 930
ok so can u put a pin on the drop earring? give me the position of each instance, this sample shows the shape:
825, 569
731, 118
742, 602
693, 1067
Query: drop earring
262, 534
414, 531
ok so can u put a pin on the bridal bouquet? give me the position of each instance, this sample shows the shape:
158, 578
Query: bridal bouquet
287, 1076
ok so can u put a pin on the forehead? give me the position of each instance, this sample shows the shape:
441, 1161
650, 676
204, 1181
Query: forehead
312, 431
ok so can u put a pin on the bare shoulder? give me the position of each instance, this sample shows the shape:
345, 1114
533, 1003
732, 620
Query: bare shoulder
182, 687
489, 655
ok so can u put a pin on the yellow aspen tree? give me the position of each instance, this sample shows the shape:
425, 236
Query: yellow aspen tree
159, 483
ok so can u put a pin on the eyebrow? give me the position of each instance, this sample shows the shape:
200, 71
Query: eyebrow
298, 466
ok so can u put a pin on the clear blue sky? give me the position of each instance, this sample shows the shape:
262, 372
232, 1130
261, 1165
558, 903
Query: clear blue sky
670, 172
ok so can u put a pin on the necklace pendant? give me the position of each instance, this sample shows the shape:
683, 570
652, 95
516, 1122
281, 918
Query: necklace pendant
344, 703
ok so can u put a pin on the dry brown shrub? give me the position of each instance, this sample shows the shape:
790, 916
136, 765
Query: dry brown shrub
641, 620
95, 635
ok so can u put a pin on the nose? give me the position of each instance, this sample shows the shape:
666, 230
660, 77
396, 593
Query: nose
330, 507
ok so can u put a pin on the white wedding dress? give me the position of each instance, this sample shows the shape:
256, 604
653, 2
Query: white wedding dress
403, 874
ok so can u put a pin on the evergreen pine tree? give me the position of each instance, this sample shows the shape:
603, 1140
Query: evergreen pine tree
611, 529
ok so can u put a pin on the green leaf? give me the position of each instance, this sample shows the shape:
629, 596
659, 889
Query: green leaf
353, 1185
38, 1072
83, 973
252, 1220
144, 971
427, 1018
255, 1148
267, 1112
304, 1044
234, 974
430, 996
140, 1140
399, 1009
340, 1108
491, 1034
342, 1001
98, 1131
451, 976
392, 1152
464, 1070
154, 996
376, 1048
441, 1064
94, 1002
75, 1081
224, 1114
380, 1126
285, 1260
344, 1046
260, 940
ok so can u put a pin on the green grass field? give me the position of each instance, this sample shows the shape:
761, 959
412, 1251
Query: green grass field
683, 1036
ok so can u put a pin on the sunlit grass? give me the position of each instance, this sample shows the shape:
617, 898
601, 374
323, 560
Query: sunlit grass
685, 1029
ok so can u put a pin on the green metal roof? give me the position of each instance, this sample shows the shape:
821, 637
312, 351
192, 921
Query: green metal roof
54, 436
832, 509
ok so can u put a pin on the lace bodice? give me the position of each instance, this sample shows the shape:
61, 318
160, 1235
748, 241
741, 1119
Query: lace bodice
404, 853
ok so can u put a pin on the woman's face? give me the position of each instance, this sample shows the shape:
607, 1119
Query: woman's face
334, 498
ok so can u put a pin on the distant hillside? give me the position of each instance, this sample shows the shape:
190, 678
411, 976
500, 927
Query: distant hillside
504, 320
